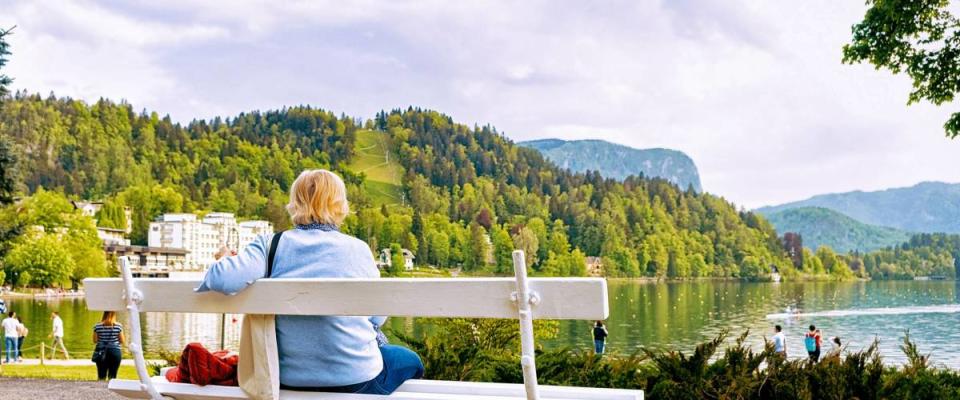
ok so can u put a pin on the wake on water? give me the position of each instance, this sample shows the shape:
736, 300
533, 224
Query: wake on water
938, 309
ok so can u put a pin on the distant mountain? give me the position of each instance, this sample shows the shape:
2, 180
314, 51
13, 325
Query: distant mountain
618, 161
820, 226
925, 207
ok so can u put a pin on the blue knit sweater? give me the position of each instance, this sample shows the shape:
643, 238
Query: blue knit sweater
315, 351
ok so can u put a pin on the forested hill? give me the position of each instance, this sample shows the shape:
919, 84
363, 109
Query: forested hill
820, 226
618, 161
467, 196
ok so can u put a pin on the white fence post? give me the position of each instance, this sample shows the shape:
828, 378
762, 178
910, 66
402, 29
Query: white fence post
526, 298
134, 297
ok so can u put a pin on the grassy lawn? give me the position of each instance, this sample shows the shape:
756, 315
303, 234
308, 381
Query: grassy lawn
382, 192
372, 158
383, 173
62, 372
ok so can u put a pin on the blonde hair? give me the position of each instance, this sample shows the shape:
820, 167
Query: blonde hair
318, 196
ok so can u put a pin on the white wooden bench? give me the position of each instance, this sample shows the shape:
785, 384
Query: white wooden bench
520, 298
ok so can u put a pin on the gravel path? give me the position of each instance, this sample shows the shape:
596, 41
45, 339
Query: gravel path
48, 389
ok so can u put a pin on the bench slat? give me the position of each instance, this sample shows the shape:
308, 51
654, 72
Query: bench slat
561, 298
411, 390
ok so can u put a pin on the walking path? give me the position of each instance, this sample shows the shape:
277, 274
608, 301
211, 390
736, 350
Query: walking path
48, 389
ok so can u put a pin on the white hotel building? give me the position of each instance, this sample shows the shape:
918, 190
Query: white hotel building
202, 238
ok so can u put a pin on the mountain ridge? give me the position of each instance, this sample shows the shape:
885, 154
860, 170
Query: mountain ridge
928, 206
618, 161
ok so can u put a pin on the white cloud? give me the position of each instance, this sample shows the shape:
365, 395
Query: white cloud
754, 92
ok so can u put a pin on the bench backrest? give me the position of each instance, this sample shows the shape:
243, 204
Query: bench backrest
559, 298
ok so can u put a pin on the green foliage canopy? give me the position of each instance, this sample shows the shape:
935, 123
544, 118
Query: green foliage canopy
918, 37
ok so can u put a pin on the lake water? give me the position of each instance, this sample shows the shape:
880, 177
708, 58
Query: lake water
676, 315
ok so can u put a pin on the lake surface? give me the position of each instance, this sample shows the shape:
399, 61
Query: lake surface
676, 315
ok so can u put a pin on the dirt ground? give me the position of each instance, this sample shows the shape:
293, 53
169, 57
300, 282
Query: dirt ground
46, 389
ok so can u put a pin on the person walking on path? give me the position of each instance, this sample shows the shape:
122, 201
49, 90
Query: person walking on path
599, 337
779, 342
108, 336
22, 332
10, 336
813, 342
57, 335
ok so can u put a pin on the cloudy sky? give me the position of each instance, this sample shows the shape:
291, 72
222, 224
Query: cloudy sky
752, 90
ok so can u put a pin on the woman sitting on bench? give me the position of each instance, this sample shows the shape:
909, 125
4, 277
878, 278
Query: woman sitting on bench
319, 353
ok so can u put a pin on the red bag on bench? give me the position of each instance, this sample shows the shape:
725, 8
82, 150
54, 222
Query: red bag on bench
201, 367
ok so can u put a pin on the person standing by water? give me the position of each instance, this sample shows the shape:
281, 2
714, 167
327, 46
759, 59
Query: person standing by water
22, 332
108, 337
57, 335
779, 342
599, 337
813, 342
10, 336
837, 345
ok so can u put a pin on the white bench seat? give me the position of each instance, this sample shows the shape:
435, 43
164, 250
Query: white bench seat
415, 389
520, 298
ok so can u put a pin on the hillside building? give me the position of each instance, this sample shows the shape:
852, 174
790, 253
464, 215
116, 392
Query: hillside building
594, 266
91, 208
385, 262
150, 262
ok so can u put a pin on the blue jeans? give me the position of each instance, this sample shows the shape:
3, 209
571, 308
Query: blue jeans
598, 346
399, 364
10, 344
108, 367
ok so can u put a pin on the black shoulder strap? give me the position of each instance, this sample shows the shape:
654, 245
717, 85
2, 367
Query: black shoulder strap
272, 253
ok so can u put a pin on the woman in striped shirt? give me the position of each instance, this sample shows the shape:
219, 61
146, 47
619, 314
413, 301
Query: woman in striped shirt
108, 335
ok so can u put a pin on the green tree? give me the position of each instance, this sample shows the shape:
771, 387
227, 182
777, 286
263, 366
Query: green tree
622, 262
4, 52
397, 264
539, 229
557, 241
53, 215
84, 247
45, 208
478, 246
576, 263
812, 263
440, 248
502, 250
9, 174
38, 259
224, 201
112, 215
526, 240
552, 265
148, 202
918, 37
